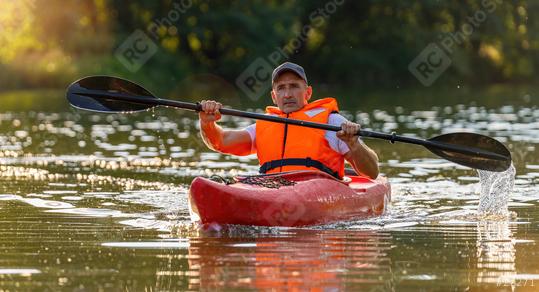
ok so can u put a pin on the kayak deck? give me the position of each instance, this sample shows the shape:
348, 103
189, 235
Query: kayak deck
310, 198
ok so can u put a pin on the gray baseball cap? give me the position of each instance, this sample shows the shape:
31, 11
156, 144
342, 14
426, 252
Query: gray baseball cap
288, 66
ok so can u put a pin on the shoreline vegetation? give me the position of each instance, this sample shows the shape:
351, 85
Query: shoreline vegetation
358, 45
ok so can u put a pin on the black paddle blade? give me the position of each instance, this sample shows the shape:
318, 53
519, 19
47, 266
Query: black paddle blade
108, 94
472, 150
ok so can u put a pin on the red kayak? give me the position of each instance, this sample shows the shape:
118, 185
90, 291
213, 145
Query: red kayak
297, 198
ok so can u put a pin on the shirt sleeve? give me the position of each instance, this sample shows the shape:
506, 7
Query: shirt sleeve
251, 129
335, 143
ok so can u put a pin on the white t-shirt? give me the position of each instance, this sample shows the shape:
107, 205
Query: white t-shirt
335, 143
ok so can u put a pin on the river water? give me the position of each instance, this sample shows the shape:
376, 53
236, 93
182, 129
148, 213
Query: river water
99, 202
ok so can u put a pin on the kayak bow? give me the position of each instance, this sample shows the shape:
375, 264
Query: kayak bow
296, 198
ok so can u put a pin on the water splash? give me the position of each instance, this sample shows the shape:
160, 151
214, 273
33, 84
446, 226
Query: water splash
496, 188
496, 253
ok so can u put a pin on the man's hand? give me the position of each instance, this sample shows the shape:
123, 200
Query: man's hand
348, 133
236, 142
210, 111
361, 157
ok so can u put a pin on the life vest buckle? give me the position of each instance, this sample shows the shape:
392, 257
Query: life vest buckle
309, 162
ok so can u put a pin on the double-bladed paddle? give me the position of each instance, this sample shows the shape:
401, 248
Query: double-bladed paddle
115, 95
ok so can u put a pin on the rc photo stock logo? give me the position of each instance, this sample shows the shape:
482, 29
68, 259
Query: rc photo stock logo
138, 48
434, 60
283, 211
135, 51
255, 80
430, 64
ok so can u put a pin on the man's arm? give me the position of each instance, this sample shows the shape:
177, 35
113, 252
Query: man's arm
362, 158
236, 142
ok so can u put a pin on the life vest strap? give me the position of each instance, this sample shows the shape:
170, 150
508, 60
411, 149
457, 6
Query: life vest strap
298, 161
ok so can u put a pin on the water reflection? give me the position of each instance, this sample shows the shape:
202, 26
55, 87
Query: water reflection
496, 253
297, 260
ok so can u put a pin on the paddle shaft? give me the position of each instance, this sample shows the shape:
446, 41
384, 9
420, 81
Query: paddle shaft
364, 133
150, 100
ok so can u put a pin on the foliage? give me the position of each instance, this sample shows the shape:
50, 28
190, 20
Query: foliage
358, 44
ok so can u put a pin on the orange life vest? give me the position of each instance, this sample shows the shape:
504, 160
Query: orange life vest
284, 147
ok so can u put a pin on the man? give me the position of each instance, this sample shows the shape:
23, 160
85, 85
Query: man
283, 147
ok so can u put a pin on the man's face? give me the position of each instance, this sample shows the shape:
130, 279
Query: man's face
290, 93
